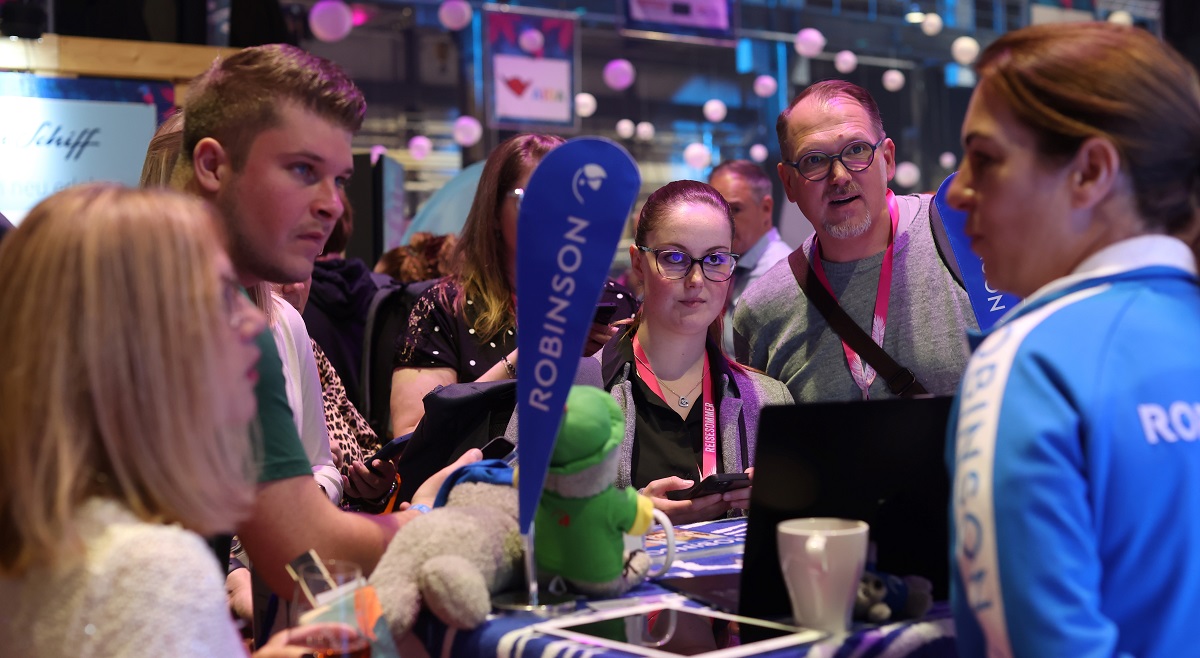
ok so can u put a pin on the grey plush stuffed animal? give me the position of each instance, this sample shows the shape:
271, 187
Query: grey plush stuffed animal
452, 559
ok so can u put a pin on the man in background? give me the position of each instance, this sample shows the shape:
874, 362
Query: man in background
747, 189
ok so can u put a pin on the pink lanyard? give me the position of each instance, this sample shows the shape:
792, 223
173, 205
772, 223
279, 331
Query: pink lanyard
640, 360
862, 373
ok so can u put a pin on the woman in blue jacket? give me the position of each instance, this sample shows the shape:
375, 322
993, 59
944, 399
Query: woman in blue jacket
1075, 451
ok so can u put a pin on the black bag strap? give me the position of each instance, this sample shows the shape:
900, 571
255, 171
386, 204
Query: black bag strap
900, 380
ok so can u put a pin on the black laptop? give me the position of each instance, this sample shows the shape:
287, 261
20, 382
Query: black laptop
881, 461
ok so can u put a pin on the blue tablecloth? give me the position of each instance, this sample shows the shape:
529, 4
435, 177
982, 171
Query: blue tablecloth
510, 635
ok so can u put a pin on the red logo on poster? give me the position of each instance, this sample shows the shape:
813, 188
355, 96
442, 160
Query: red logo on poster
517, 85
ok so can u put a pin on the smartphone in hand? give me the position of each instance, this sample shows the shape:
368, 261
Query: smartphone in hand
713, 484
604, 312
389, 452
498, 448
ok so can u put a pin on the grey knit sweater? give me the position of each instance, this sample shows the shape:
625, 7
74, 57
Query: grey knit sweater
777, 331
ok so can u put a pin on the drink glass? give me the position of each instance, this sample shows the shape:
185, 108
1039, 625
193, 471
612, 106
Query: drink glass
332, 629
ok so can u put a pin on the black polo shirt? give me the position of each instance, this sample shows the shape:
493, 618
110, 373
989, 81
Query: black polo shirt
664, 444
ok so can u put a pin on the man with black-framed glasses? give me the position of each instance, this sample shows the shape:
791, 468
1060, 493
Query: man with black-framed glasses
873, 251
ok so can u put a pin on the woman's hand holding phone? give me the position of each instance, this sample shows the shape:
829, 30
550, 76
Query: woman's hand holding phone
713, 484
704, 508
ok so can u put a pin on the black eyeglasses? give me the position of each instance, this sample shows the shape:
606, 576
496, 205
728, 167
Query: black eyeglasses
816, 165
519, 195
674, 264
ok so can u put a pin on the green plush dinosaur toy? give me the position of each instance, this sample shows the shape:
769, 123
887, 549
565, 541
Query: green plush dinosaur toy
583, 517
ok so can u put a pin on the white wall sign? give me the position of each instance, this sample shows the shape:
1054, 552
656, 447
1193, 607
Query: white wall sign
530, 80
533, 89
50, 144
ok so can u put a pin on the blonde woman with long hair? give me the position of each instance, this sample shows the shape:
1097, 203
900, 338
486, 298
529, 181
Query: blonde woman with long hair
126, 391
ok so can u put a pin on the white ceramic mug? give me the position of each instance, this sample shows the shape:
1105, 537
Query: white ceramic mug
822, 563
638, 542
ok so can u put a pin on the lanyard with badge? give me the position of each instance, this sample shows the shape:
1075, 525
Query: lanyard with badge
709, 457
862, 373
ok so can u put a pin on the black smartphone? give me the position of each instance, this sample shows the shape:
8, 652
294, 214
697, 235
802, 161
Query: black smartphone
389, 452
498, 448
715, 483
604, 312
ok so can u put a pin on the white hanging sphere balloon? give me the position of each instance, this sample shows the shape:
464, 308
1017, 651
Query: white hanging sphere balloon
758, 153
697, 155
947, 160
330, 20
455, 14
809, 42
1121, 17
531, 40
377, 151
467, 131
907, 174
644, 131
964, 50
625, 129
932, 25
419, 147
715, 111
893, 80
585, 104
619, 74
845, 62
764, 86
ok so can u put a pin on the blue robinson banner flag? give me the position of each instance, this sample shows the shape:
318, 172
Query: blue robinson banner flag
571, 218
989, 304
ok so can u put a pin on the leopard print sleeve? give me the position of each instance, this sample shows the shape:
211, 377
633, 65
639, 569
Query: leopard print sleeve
350, 437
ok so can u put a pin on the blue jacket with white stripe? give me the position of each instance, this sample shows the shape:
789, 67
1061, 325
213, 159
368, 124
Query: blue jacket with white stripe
1076, 466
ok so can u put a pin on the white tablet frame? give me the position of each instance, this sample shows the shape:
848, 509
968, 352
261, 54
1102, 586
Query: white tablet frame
557, 627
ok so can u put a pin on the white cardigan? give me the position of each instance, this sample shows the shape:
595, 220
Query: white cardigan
141, 589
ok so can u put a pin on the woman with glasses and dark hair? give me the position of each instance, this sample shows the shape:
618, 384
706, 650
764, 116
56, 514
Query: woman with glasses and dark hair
1075, 445
690, 412
463, 329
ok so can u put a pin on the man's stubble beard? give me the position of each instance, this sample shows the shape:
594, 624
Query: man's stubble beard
247, 262
850, 228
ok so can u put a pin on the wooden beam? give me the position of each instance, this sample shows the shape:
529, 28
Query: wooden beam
108, 58
113, 58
